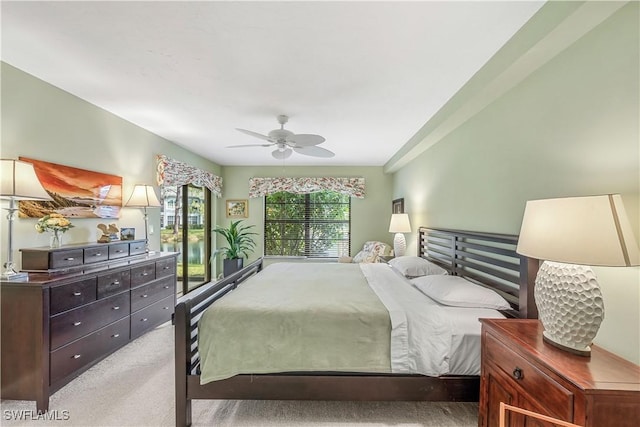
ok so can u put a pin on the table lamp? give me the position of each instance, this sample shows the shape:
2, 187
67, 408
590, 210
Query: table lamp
143, 196
571, 234
19, 182
399, 224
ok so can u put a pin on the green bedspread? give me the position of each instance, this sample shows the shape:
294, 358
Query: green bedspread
296, 317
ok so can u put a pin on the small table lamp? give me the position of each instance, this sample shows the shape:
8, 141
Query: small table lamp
19, 182
399, 224
564, 232
143, 196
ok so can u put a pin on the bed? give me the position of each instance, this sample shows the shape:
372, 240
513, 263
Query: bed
484, 258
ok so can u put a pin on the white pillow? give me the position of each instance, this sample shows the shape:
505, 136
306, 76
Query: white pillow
413, 266
459, 292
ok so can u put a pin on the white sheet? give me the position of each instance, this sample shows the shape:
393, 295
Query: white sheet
426, 337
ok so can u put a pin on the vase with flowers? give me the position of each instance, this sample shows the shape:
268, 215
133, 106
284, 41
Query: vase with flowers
57, 225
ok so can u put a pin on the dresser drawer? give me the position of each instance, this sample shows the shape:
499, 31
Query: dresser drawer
548, 393
96, 254
166, 267
137, 248
84, 320
143, 274
70, 358
66, 258
72, 295
113, 283
151, 316
148, 294
119, 250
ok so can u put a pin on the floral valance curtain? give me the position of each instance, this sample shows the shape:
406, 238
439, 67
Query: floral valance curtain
175, 172
259, 187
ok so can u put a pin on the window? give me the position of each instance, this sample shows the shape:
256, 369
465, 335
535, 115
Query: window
315, 225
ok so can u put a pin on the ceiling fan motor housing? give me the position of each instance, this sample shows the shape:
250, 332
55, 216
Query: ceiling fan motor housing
280, 135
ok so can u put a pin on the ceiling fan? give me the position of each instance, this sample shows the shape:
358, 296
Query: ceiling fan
286, 142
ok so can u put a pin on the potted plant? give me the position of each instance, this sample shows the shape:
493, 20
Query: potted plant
240, 244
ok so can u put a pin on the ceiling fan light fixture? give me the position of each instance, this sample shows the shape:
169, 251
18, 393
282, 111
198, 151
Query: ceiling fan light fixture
286, 142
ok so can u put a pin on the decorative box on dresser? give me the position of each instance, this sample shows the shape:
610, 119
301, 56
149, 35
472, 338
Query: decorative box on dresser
80, 304
518, 368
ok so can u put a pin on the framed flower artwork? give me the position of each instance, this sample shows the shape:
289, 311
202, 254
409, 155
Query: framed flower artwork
238, 208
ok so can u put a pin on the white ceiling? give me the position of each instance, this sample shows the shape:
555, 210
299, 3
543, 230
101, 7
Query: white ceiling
365, 75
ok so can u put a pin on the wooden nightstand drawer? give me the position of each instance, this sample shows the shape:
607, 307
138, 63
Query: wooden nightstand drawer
73, 295
520, 369
550, 395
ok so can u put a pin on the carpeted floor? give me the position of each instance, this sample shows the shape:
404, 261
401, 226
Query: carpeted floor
135, 387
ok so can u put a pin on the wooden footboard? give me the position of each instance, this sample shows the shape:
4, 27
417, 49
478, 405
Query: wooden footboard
187, 358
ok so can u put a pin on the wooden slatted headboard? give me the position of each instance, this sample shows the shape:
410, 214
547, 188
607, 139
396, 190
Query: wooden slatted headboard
488, 259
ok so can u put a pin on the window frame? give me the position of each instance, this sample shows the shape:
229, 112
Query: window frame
307, 222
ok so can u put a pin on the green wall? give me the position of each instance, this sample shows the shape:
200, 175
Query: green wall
43, 122
570, 128
369, 216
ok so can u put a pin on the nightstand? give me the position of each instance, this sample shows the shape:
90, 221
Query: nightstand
518, 368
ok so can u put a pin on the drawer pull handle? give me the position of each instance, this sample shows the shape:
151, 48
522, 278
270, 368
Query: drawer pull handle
98, 254
165, 308
69, 259
145, 274
77, 356
167, 267
166, 287
119, 251
115, 283
116, 307
144, 319
115, 335
77, 323
144, 296
77, 294
518, 374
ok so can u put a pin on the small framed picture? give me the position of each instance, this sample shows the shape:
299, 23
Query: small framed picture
128, 233
238, 208
397, 206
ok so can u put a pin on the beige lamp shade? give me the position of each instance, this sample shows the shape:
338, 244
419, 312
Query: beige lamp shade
20, 182
593, 230
400, 223
143, 196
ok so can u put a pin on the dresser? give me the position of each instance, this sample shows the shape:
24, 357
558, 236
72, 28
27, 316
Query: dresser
80, 304
518, 368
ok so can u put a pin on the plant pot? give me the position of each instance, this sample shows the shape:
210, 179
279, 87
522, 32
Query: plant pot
230, 266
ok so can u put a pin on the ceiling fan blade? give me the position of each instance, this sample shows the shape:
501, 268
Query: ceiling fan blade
249, 145
256, 134
314, 151
305, 139
281, 155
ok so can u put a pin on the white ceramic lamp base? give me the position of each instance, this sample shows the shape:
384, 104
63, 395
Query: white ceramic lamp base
570, 305
399, 244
